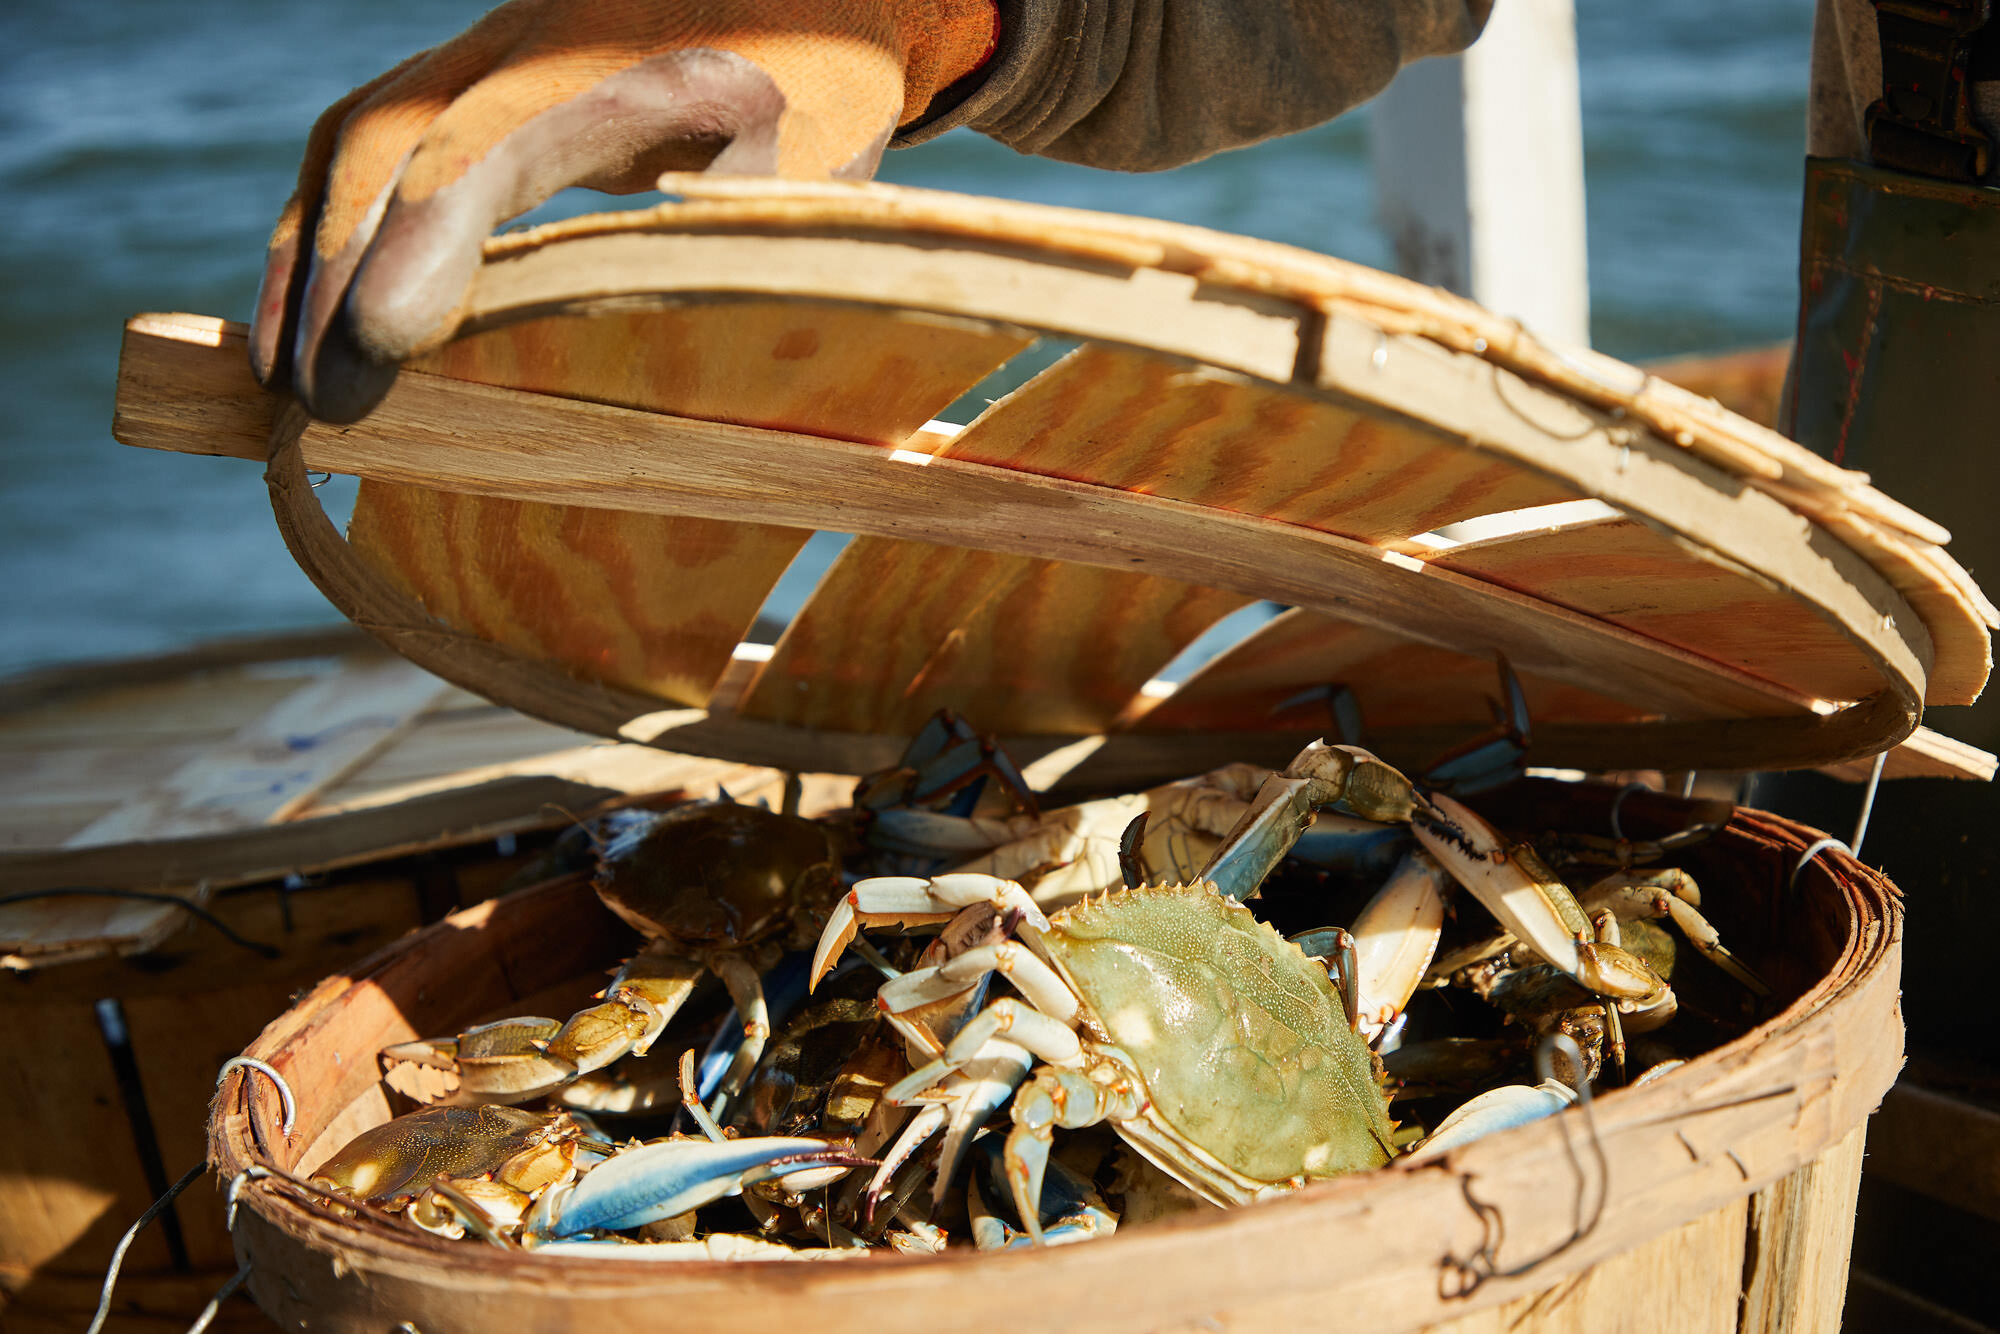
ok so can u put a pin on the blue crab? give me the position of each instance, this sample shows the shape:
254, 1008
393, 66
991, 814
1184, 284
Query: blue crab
513, 1176
713, 887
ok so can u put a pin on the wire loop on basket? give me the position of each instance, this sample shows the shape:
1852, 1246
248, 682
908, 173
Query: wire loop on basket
290, 1105
1474, 1271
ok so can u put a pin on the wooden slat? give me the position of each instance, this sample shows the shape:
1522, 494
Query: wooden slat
650, 602
1801, 1230
1925, 754
1116, 417
447, 742
1675, 1272
62, 1186
278, 761
1396, 682
898, 630
1748, 382
1628, 574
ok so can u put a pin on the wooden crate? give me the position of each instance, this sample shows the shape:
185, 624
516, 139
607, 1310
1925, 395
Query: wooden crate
125, 1010
1729, 1201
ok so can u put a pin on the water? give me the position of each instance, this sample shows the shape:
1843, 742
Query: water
145, 147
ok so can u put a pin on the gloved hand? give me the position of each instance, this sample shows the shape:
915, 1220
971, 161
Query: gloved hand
405, 177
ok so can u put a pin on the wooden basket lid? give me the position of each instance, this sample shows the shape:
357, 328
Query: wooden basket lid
581, 505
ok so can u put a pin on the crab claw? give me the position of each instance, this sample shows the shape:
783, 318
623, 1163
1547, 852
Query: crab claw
1071, 1208
913, 901
1494, 1110
502, 1062
1512, 883
1395, 938
1346, 778
675, 1176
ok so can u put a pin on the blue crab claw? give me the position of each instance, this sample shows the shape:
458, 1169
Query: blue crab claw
915, 901
1346, 778
669, 1177
1494, 1110
1513, 884
1071, 1208
1498, 757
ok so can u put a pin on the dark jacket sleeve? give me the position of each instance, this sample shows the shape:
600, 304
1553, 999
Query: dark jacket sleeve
1142, 85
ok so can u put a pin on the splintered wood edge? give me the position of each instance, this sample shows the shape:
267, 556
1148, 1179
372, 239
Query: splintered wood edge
1727, 1123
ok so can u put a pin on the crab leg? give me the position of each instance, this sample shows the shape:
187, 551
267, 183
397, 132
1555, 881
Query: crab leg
1334, 947
1071, 1208
1672, 894
1012, 960
1345, 777
746, 989
1066, 1098
911, 900
642, 998
500, 1062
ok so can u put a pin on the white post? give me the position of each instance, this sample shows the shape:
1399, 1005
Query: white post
1479, 170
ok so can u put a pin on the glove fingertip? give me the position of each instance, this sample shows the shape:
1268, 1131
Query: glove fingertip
340, 383
275, 313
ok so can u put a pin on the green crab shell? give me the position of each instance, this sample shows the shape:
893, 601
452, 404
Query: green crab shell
1242, 1040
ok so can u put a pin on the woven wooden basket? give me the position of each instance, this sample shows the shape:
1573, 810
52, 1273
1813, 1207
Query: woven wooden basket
1727, 1188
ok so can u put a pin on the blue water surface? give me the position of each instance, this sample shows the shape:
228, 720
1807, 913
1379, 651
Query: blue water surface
145, 148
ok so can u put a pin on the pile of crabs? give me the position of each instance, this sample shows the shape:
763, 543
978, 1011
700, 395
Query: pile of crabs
1054, 1023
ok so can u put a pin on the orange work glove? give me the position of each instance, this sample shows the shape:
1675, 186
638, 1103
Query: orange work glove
405, 177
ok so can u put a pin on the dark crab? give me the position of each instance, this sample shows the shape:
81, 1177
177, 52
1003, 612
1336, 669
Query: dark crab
714, 887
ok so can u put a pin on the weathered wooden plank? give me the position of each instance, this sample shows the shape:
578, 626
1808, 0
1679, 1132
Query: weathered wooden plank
1801, 1231
75, 1183
1629, 574
1942, 1147
277, 762
1633, 1293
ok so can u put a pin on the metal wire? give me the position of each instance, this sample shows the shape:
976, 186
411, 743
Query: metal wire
290, 1104
1867, 805
222, 1294
1617, 829
144, 896
157, 1208
1853, 847
1813, 850
1483, 1265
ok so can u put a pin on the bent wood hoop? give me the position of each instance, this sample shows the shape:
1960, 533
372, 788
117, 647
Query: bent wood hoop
1243, 421
1741, 1163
